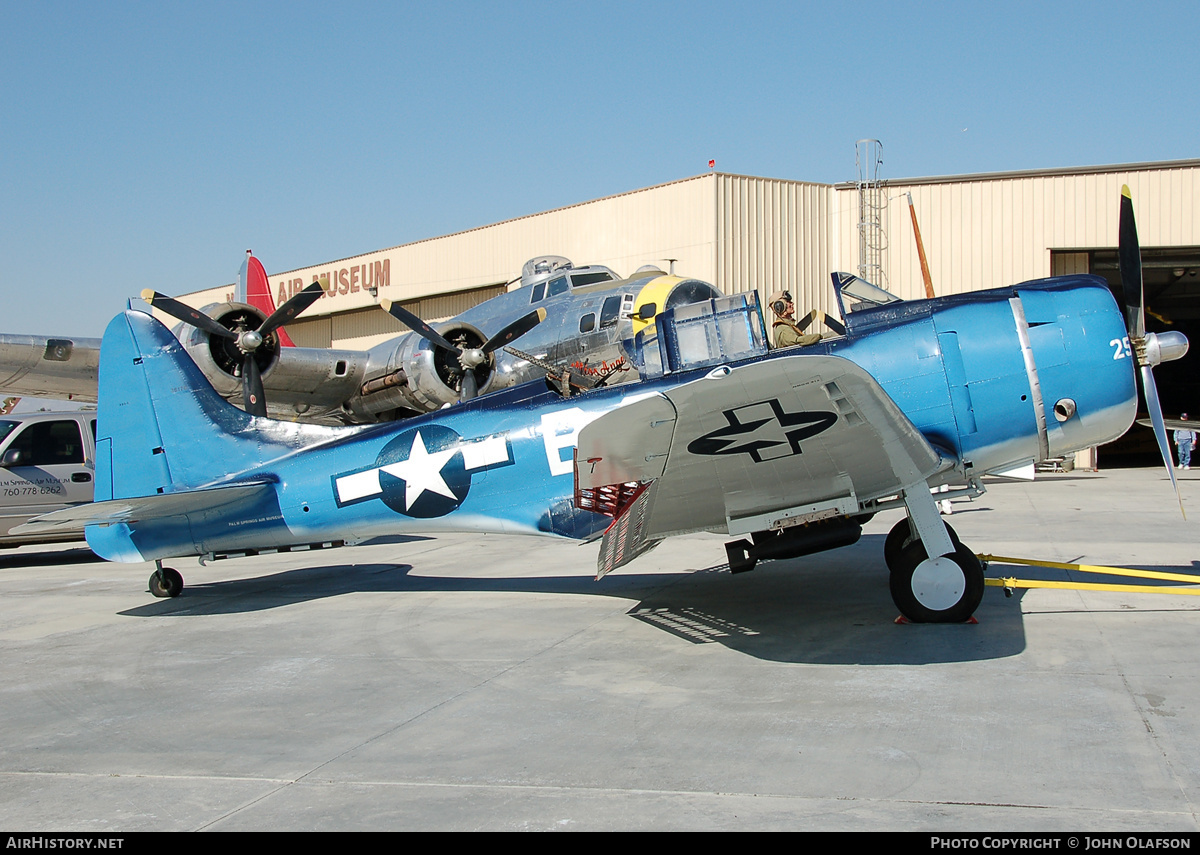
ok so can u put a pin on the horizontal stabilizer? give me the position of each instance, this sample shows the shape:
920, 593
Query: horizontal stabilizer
159, 506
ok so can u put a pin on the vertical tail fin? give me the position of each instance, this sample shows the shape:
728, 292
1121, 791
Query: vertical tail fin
253, 288
161, 426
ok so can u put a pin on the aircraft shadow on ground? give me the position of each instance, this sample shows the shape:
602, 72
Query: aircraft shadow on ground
831, 608
81, 555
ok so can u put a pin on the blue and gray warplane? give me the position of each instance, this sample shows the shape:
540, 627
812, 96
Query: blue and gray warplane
788, 451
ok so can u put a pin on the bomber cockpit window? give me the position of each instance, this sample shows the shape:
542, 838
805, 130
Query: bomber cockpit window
539, 292
558, 286
580, 279
610, 311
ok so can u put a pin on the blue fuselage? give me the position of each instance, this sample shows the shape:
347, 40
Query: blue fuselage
980, 375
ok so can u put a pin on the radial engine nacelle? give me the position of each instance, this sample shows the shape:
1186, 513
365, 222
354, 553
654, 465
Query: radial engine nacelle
299, 381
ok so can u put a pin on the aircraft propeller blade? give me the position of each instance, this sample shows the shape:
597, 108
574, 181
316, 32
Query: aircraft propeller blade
1160, 429
185, 313
416, 324
252, 387
470, 386
514, 330
1129, 255
296, 304
248, 340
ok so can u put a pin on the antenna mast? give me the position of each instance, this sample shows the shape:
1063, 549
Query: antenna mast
872, 209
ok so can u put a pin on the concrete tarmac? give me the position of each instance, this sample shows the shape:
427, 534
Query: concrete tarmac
484, 682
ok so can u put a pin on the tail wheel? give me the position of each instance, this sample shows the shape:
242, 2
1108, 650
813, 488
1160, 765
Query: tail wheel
166, 582
901, 536
946, 589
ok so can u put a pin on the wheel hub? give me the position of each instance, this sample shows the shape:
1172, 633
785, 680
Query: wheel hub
938, 583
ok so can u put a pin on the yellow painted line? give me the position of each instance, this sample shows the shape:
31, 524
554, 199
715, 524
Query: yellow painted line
1010, 582
1093, 568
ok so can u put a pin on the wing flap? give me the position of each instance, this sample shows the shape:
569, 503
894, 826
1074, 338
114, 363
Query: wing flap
636, 451
626, 539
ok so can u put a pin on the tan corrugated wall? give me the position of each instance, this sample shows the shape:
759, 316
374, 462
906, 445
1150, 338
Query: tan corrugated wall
623, 232
741, 232
774, 235
987, 232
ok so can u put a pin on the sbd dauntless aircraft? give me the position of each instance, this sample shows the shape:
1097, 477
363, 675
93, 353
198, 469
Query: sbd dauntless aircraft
790, 451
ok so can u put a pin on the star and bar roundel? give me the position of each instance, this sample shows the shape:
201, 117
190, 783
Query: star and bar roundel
763, 431
424, 472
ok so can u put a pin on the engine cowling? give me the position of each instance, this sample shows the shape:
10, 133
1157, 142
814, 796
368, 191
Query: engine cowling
220, 359
435, 375
313, 383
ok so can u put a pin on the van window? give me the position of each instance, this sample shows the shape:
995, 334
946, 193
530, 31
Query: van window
49, 443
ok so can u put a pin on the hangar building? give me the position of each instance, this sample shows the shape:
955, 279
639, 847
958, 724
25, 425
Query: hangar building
741, 233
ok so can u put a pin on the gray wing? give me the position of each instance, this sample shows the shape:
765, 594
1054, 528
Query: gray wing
796, 438
64, 368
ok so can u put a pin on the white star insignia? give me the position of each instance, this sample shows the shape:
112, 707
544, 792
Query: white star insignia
422, 471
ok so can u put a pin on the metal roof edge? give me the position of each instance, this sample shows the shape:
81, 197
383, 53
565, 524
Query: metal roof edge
1034, 173
340, 261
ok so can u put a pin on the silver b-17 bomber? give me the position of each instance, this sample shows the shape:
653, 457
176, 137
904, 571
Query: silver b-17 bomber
569, 321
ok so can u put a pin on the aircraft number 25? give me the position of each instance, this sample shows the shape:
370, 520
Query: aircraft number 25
1123, 350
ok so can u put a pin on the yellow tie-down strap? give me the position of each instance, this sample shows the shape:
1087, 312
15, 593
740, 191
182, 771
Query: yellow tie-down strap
1009, 582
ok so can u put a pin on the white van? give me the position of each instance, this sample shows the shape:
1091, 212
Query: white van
47, 462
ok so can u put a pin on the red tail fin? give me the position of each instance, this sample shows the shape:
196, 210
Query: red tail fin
258, 294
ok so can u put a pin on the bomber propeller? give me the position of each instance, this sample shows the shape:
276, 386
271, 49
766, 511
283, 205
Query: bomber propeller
1150, 349
248, 340
470, 359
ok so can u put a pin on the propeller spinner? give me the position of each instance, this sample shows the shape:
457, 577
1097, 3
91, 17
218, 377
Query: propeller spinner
248, 339
1150, 348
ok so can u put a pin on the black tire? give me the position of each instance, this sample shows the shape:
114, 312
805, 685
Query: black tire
901, 536
166, 583
930, 594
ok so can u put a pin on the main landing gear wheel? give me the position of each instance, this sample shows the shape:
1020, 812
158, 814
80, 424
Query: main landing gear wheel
901, 536
166, 582
947, 589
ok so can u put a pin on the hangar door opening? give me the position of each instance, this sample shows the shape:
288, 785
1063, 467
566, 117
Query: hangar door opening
1172, 293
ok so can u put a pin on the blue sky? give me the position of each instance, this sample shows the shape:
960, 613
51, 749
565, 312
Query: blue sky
149, 144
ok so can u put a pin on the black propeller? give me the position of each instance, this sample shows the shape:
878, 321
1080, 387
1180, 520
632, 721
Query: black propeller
1149, 348
469, 358
248, 340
